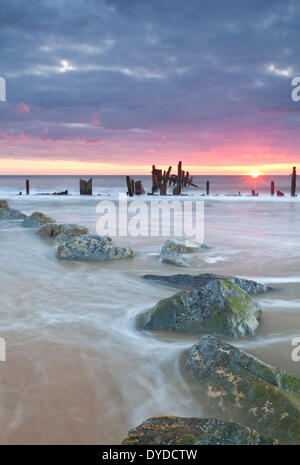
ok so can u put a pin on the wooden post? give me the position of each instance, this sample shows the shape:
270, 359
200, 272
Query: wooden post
272, 187
293, 183
179, 172
86, 187
82, 186
129, 186
207, 187
89, 187
163, 188
27, 187
168, 172
138, 187
154, 179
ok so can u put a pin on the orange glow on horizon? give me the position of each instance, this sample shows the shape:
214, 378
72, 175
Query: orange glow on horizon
255, 174
10, 166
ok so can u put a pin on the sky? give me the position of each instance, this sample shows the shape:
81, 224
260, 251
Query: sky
113, 86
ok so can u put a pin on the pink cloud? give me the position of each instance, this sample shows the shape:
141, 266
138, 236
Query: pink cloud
96, 121
23, 108
46, 130
20, 137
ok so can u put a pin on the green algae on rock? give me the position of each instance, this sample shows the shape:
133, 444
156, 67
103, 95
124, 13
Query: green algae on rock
7, 213
62, 231
36, 219
172, 248
91, 247
171, 430
220, 307
244, 389
187, 281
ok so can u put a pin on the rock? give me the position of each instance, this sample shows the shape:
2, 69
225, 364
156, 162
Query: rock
220, 307
4, 205
182, 245
36, 219
244, 389
187, 281
92, 247
62, 231
7, 213
173, 258
171, 430
171, 249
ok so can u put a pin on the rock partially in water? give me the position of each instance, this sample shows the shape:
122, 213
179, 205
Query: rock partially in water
172, 248
220, 307
244, 389
183, 245
187, 281
92, 247
7, 213
173, 258
171, 430
62, 232
36, 219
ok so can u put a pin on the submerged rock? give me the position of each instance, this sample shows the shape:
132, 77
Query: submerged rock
173, 258
171, 430
187, 281
182, 245
242, 388
172, 248
219, 307
92, 247
62, 231
7, 213
36, 219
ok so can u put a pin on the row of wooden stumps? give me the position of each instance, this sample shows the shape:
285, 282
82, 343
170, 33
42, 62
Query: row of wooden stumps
27, 184
161, 179
134, 187
293, 185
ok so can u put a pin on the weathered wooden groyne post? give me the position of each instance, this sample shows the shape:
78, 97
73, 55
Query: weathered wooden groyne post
272, 187
27, 187
207, 187
134, 187
130, 186
177, 188
86, 187
293, 183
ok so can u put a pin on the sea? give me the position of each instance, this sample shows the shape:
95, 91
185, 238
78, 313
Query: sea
77, 369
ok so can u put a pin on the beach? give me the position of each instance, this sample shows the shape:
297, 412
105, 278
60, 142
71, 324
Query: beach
78, 370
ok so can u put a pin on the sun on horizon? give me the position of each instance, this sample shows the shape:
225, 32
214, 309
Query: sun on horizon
255, 174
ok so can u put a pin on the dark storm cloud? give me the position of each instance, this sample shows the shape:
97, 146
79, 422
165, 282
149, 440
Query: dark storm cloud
176, 69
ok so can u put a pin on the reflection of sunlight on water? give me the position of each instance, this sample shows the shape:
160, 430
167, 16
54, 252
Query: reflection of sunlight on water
78, 370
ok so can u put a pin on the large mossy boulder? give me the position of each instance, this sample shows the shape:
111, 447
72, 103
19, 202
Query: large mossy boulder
92, 247
62, 231
171, 430
172, 249
220, 307
37, 219
241, 388
187, 281
7, 213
